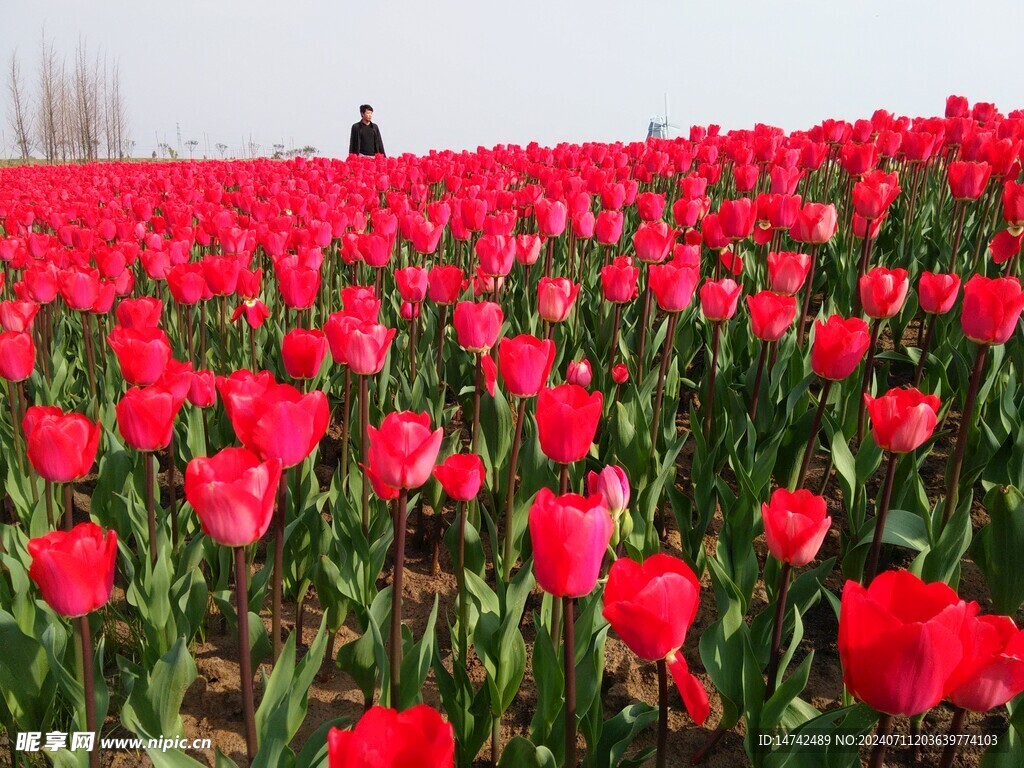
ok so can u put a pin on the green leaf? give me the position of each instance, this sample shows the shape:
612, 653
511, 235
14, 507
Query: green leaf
998, 546
521, 753
152, 708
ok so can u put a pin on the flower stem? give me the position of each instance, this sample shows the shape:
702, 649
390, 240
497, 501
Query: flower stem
952, 489
69, 507
364, 446
277, 575
924, 349
641, 345
780, 620
150, 505
808, 290
462, 509
517, 440
88, 685
569, 655
865, 383
812, 438
757, 379
878, 753
172, 493
956, 727
475, 441
660, 760
883, 509
710, 409
244, 659
441, 324
346, 407
666, 356
396, 599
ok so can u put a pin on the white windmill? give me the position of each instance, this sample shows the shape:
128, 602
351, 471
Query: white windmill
659, 125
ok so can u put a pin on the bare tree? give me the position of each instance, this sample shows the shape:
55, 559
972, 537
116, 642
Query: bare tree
221, 147
48, 117
21, 120
191, 145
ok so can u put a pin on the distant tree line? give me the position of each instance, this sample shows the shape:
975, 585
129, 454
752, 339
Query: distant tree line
76, 110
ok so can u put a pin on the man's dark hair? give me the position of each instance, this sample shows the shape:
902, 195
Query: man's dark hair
364, 107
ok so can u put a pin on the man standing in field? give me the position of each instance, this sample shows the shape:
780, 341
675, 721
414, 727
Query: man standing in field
365, 139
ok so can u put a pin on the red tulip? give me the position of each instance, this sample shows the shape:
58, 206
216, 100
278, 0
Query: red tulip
619, 280
17, 355
444, 284
61, 446
360, 301
874, 193
74, 569
551, 217
718, 299
651, 607
883, 291
902, 419
673, 285
385, 738
426, 236
528, 249
787, 271
364, 347
579, 373
612, 485
795, 525
1013, 204
816, 224
555, 297
967, 180
525, 363
583, 224
567, 419
992, 669
303, 352
254, 311
176, 379
140, 313
620, 373
608, 227
771, 314
233, 494
286, 424
653, 241
412, 284
991, 309
937, 292
477, 325
496, 254
221, 273
461, 475
403, 451
839, 346
202, 392
143, 353
298, 286
570, 534
900, 641
650, 206
737, 218
80, 287
17, 316
145, 417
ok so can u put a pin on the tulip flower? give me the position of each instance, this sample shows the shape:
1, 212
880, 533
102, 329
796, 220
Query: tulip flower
718, 300
936, 294
567, 419
620, 374
525, 363
838, 347
444, 284
651, 607
143, 312
74, 571
461, 475
555, 298
142, 353
612, 484
990, 314
303, 352
386, 738
619, 280
673, 286
787, 271
900, 643
967, 180
363, 347
608, 227
477, 325
402, 454
579, 373
233, 495
17, 356
901, 421
653, 242
61, 446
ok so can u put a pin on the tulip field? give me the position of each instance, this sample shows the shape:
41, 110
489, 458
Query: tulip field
705, 450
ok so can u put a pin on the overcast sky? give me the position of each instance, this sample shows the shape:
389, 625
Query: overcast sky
446, 74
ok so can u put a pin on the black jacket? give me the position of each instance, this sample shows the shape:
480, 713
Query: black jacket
365, 140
